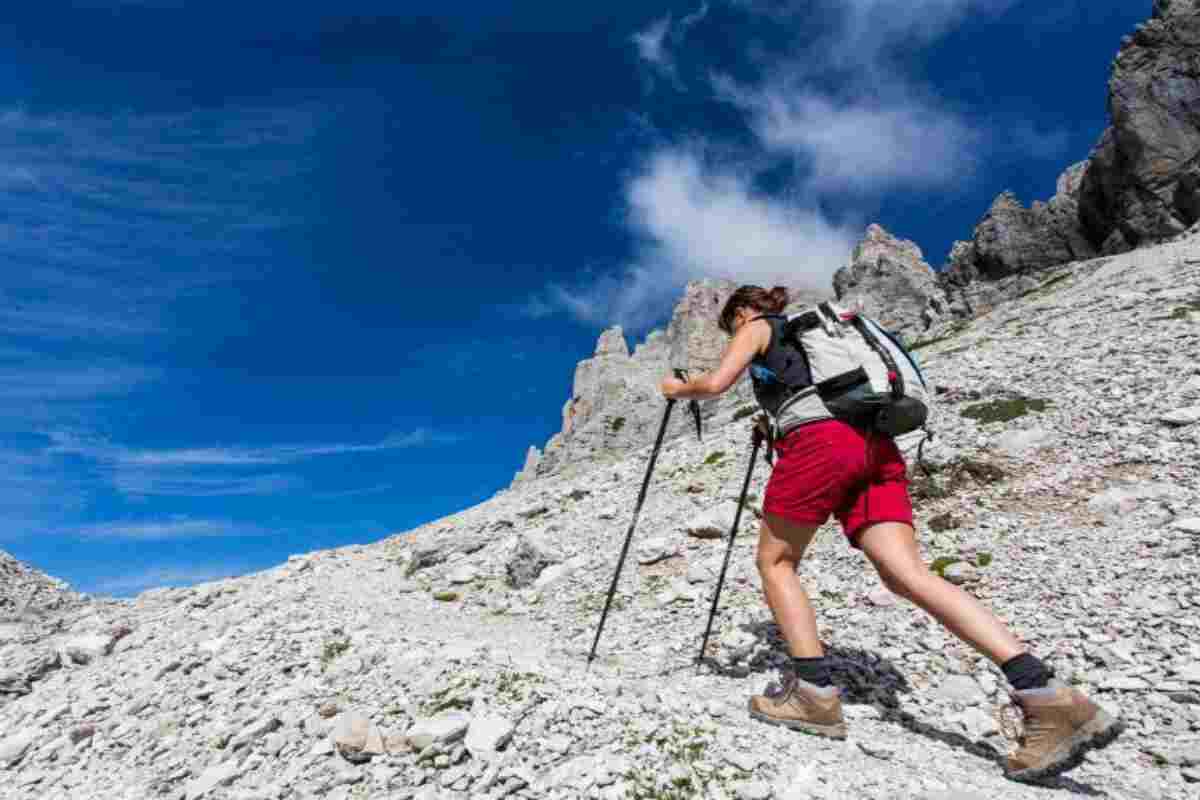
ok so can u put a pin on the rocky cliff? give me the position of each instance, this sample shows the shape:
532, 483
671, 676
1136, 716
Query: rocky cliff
615, 405
1143, 183
889, 279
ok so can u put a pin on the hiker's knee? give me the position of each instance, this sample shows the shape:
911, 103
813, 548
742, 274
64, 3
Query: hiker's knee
906, 582
897, 586
770, 562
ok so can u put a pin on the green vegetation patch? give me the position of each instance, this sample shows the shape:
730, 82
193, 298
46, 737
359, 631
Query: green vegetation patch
939, 564
714, 457
983, 559
1185, 311
743, 412
921, 344
457, 694
515, 687
671, 774
616, 424
1004, 410
446, 597
1043, 288
332, 650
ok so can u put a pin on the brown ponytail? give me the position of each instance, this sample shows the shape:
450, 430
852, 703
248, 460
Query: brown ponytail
755, 297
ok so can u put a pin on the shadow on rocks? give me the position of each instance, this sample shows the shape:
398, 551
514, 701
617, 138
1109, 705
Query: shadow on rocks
867, 678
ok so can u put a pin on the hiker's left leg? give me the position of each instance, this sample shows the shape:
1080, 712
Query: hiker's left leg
892, 548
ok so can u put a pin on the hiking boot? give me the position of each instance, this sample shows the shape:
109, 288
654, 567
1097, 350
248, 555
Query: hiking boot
1061, 725
801, 706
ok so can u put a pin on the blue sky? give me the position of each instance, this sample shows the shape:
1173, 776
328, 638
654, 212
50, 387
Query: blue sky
286, 276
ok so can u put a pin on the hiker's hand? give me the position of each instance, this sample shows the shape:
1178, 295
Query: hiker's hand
672, 387
761, 426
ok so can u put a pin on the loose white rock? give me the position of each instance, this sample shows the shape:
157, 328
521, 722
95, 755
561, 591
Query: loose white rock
446, 727
487, 734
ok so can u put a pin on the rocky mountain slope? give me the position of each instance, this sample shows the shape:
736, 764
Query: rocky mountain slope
449, 661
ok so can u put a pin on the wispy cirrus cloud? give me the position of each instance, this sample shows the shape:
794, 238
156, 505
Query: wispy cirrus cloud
173, 528
656, 42
111, 217
217, 471
63, 443
110, 220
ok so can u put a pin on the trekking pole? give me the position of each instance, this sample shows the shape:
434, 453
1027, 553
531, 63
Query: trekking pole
737, 517
637, 509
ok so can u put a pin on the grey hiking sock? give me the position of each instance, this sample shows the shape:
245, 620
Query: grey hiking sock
812, 670
1026, 671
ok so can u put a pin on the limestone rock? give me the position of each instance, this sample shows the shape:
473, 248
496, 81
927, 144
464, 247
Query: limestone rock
529, 557
487, 734
1015, 443
1182, 416
1011, 239
211, 778
13, 748
961, 690
533, 457
449, 726
892, 282
1143, 185
1189, 525
24, 589
714, 523
88, 647
651, 551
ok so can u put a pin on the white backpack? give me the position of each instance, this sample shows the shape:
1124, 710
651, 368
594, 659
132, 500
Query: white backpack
830, 363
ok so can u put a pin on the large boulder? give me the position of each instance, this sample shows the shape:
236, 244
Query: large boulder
890, 278
529, 557
1143, 185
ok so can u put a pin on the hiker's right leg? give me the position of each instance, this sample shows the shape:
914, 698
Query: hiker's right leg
781, 545
807, 701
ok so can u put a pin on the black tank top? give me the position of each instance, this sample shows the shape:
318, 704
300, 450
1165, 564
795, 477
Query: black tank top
781, 371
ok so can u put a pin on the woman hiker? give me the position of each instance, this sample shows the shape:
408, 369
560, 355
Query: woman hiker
828, 467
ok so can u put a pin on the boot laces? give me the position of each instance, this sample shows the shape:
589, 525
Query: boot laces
782, 690
1012, 722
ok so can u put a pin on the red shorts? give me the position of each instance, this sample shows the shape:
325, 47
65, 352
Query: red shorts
829, 467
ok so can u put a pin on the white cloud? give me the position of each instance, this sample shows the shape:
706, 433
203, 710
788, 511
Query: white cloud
654, 43
174, 528
864, 145
700, 223
135, 482
838, 110
216, 471
696, 223
64, 443
651, 42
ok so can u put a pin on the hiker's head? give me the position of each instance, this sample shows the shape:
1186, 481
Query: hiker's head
751, 301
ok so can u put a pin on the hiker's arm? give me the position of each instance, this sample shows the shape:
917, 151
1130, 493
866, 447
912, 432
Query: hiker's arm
749, 342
